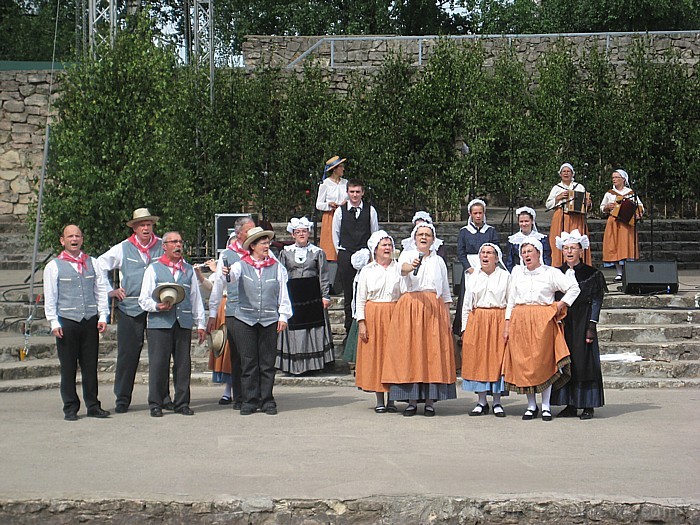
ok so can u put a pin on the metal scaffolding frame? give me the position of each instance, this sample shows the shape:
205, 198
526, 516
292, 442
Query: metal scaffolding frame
203, 20
102, 25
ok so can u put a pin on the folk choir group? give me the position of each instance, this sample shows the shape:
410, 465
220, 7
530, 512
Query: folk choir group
527, 324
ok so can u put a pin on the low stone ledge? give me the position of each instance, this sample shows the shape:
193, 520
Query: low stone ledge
385, 510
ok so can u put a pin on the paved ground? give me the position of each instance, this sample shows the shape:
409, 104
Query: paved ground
327, 442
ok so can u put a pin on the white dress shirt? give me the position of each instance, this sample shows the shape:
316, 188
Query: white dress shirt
539, 286
331, 191
432, 275
285, 305
485, 291
147, 303
338, 218
113, 259
51, 292
377, 284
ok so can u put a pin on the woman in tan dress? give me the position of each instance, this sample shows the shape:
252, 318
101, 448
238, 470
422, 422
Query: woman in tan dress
377, 293
620, 242
332, 192
536, 353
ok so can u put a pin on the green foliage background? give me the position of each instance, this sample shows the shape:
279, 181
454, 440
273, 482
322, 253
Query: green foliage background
135, 129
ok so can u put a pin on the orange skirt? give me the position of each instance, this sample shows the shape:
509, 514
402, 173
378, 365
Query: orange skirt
572, 221
370, 355
483, 347
536, 354
221, 364
419, 345
619, 241
326, 240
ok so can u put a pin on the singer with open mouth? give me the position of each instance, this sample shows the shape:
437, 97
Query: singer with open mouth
419, 365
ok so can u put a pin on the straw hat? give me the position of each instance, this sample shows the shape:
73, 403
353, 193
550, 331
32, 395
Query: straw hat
172, 293
256, 233
217, 340
141, 214
334, 162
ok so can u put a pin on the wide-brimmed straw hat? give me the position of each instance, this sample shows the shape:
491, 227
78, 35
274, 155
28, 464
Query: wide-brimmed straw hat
217, 340
141, 214
172, 293
256, 233
334, 162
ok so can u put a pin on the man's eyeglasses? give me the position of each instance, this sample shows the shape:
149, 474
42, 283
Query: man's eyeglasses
174, 242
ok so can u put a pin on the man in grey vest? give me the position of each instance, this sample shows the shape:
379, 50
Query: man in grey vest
169, 326
132, 256
75, 303
232, 254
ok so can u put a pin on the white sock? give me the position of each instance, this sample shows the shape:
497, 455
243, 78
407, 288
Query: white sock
227, 390
618, 268
546, 396
531, 402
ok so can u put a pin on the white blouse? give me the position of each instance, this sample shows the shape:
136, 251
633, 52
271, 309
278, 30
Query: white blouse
377, 284
609, 198
330, 191
485, 291
561, 188
432, 275
538, 287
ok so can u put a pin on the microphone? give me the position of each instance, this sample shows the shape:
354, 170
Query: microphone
420, 261
228, 275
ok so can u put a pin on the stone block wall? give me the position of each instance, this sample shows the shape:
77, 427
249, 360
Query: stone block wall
24, 107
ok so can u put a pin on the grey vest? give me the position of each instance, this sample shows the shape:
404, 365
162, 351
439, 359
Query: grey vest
258, 298
182, 313
132, 270
232, 287
76, 292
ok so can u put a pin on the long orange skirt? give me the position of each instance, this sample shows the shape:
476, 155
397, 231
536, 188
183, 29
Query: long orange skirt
419, 345
619, 241
221, 364
326, 240
536, 354
572, 221
483, 347
370, 355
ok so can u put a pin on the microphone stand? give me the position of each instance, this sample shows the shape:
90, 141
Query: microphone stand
263, 221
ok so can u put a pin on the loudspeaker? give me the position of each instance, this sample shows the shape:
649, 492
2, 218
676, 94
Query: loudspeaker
457, 274
223, 227
640, 277
334, 278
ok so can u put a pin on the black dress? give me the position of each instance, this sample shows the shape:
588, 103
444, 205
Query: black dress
585, 390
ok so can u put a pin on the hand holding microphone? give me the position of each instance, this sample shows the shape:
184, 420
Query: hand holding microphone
420, 261
228, 268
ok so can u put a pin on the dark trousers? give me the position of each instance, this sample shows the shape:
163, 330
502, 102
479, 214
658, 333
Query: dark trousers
130, 336
236, 390
79, 345
164, 343
347, 274
257, 347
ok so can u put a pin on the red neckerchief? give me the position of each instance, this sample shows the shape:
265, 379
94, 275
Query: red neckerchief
258, 265
174, 266
236, 247
80, 260
144, 249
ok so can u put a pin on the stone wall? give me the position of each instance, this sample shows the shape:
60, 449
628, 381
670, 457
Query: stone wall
24, 97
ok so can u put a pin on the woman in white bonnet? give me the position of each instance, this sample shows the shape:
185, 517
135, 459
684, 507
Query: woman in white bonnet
528, 228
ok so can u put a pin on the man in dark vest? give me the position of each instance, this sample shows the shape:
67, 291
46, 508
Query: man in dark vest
353, 224
169, 326
75, 302
132, 256
233, 253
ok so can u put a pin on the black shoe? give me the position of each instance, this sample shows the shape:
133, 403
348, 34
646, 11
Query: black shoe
569, 411
237, 405
483, 410
121, 409
531, 414
156, 412
429, 411
185, 411
410, 411
546, 415
391, 408
587, 413
498, 413
169, 406
98, 412
380, 409
246, 411
271, 410
225, 400
71, 416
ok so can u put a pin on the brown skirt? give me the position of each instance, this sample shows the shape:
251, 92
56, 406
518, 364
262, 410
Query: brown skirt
536, 354
326, 240
419, 346
619, 242
483, 346
572, 221
222, 363
370, 355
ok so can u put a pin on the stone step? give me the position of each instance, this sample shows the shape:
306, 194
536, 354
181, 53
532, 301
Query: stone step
670, 351
616, 300
614, 382
649, 334
652, 369
648, 317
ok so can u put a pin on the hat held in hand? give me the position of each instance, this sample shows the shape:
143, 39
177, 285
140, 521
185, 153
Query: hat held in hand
217, 340
171, 293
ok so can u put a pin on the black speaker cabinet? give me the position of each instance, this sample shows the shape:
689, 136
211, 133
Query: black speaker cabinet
641, 277
334, 278
223, 223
